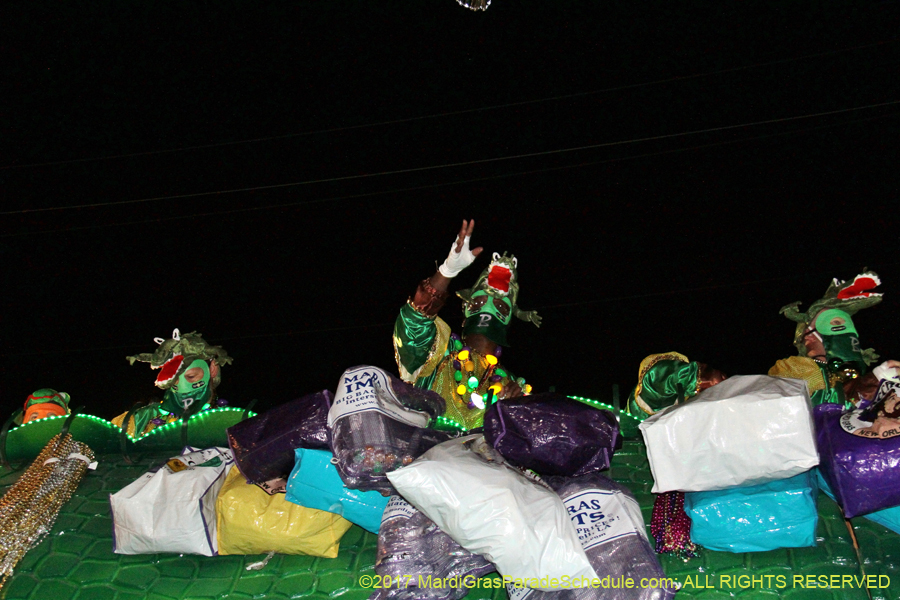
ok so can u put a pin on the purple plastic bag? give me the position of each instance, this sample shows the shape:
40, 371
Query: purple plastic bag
863, 473
412, 549
613, 537
263, 446
552, 434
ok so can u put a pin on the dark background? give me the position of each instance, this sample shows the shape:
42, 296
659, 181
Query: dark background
279, 176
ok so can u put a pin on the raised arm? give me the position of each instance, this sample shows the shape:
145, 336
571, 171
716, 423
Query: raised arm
459, 258
415, 332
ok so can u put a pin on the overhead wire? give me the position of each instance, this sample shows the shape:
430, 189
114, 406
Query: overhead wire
387, 324
433, 185
689, 290
457, 164
440, 115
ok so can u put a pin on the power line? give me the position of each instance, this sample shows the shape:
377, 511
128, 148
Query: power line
459, 164
441, 184
447, 113
387, 324
217, 340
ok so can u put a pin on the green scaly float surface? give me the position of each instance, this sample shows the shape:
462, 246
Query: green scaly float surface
76, 560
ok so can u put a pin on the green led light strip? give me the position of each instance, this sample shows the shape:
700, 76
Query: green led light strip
199, 416
603, 405
449, 421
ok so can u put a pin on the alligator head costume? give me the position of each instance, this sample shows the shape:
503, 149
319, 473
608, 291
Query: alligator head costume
829, 320
490, 304
189, 371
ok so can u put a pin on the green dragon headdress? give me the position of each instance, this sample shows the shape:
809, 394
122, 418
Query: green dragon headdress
850, 297
500, 280
175, 355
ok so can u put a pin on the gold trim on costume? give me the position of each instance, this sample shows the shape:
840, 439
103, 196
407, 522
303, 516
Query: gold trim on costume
441, 340
647, 364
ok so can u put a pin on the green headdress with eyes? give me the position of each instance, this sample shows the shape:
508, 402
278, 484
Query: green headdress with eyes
500, 280
850, 297
175, 355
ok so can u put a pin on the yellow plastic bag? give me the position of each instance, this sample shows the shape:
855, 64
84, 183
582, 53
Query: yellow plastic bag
249, 521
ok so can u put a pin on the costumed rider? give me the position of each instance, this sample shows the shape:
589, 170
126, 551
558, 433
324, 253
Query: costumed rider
831, 359
44, 403
466, 371
190, 372
667, 379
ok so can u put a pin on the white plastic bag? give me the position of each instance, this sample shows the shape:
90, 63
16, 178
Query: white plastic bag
492, 509
747, 430
174, 508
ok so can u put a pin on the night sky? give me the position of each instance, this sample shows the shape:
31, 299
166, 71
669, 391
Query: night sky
279, 176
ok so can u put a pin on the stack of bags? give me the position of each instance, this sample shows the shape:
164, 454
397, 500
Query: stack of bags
860, 452
525, 499
743, 453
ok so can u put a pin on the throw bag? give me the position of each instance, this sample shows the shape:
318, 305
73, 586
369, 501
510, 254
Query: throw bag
552, 434
492, 509
411, 548
315, 483
263, 446
379, 423
171, 509
747, 430
253, 522
778, 514
862, 472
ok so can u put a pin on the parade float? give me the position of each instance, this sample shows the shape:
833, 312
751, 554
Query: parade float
437, 453
76, 558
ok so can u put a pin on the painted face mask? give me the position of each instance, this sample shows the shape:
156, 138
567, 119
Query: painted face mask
184, 370
192, 390
488, 316
842, 350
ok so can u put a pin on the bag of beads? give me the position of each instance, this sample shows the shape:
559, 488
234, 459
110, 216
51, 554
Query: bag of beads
377, 424
491, 508
412, 549
612, 532
315, 483
756, 518
173, 508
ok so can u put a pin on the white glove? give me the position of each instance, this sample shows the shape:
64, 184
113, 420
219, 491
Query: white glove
457, 261
883, 371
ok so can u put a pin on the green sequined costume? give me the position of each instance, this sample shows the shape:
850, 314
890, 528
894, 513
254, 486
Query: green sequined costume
663, 380
425, 355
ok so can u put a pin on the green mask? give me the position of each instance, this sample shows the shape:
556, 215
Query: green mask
834, 322
481, 302
840, 340
489, 316
186, 397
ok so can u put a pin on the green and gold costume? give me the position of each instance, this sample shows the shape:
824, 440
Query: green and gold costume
430, 357
663, 380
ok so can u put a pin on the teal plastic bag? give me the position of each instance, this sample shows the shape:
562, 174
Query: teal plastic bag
778, 514
315, 483
888, 517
